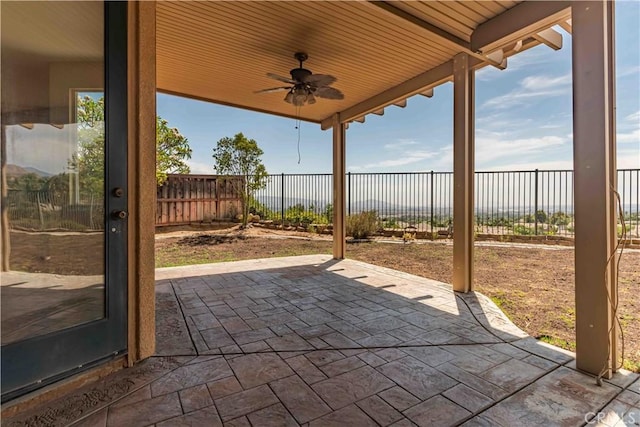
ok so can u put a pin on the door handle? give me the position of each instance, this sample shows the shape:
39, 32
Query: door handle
120, 214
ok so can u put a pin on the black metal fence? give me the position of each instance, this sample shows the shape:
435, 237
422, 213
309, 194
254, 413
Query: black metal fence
535, 202
47, 210
509, 202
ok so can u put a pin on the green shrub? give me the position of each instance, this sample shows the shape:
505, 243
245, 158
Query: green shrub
362, 225
541, 216
300, 215
328, 213
257, 208
498, 222
390, 223
622, 231
559, 218
523, 230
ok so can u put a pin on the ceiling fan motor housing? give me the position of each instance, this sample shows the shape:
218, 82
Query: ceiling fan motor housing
300, 74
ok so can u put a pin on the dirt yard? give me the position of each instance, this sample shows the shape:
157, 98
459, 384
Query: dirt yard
533, 285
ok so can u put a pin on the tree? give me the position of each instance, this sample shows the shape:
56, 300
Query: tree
27, 182
240, 157
88, 162
172, 148
559, 218
541, 216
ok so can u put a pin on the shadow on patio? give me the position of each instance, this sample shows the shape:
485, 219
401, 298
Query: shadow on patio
291, 341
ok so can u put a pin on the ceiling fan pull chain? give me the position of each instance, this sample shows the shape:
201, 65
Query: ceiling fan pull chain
298, 125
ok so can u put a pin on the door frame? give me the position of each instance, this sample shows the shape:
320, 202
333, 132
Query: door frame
35, 362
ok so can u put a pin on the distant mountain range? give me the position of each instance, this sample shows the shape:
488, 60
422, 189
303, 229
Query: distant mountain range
15, 171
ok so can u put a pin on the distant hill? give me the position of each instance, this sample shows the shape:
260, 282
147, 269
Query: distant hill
16, 171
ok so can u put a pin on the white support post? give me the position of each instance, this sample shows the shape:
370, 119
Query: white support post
594, 158
339, 201
463, 173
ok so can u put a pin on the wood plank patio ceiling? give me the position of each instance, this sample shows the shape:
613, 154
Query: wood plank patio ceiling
221, 51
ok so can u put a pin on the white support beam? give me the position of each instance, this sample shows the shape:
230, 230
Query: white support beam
550, 37
420, 83
517, 23
463, 172
339, 200
594, 163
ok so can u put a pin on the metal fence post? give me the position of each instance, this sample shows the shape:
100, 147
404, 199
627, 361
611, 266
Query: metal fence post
349, 193
535, 209
282, 200
431, 208
40, 211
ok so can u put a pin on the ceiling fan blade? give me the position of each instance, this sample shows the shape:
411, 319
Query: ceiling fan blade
328, 93
320, 80
280, 78
274, 89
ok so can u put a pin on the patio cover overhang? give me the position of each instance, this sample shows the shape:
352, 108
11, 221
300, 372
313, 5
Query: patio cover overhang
383, 53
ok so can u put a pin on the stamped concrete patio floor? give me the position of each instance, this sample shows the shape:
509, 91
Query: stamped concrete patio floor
313, 341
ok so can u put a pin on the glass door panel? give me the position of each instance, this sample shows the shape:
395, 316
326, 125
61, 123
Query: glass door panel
61, 78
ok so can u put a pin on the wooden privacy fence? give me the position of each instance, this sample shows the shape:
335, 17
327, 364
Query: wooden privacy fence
189, 199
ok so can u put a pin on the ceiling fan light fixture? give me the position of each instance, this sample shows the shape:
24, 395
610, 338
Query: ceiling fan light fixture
310, 98
299, 101
289, 97
299, 96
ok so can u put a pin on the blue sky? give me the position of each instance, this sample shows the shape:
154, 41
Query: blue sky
523, 120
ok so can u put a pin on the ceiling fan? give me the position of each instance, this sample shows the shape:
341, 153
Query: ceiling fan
304, 86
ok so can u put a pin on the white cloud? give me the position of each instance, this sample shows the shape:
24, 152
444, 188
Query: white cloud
536, 83
526, 166
492, 147
634, 117
627, 70
503, 122
532, 87
43, 147
629, 159
401, 143
550, 126
629, 129
199, 168
627, 137
401, 159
